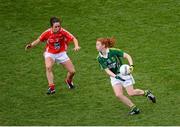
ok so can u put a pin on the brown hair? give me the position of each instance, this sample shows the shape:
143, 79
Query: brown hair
108, 42
54, 20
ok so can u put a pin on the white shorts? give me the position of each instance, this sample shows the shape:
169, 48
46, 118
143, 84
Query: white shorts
58, 58
129, 80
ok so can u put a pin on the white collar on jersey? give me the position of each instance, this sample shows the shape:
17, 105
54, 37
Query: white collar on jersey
106, 56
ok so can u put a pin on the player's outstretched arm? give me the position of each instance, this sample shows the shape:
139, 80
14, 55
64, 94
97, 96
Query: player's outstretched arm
75, 41
31, 45
76, 44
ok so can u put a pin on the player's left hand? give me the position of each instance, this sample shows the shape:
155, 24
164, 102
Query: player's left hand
131, 68
77, 48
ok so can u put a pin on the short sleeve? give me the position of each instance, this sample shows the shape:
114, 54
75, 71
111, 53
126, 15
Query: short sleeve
69, 37
117, 52
43, 36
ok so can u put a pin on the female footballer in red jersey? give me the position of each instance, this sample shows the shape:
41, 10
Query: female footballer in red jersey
57, 40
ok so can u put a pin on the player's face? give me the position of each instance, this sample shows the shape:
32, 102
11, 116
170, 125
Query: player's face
56, 27
99, 46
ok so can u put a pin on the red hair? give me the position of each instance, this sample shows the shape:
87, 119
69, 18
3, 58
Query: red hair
108, 42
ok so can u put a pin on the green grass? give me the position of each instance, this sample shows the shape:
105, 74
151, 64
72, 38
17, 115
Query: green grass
146, 29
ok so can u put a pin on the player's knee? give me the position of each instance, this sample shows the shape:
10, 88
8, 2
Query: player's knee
48, 68
119, 95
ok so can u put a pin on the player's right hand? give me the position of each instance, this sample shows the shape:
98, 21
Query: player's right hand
118, 77
28, 46
131, 68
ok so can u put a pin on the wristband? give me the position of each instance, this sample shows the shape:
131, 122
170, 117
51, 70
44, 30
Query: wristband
132, 65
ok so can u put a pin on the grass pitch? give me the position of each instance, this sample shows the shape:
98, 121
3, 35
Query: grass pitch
146, 29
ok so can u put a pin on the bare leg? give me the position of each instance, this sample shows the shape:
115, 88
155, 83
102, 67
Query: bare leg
134, 92
70, 68
118, 90
49, 62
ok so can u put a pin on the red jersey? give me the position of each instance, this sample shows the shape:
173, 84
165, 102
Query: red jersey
56, 42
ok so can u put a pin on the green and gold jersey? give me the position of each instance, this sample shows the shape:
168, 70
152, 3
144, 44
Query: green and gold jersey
112, 60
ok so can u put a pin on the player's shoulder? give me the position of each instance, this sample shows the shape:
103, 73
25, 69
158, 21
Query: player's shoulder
98, 57
114, 49
47, 31
63, 30
44, 36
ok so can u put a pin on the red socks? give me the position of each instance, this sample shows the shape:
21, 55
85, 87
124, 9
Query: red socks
52, 86
69, 81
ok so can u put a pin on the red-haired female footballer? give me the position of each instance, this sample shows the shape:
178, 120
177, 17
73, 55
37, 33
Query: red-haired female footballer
57, 39
110, 60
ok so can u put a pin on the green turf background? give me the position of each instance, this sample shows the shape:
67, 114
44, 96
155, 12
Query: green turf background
146, 29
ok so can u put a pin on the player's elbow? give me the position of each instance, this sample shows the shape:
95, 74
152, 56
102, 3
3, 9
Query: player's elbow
75, 40
127, 56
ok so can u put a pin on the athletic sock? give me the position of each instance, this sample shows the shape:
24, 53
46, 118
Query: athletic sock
133, 107
145, 93
52, 86
69, 80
